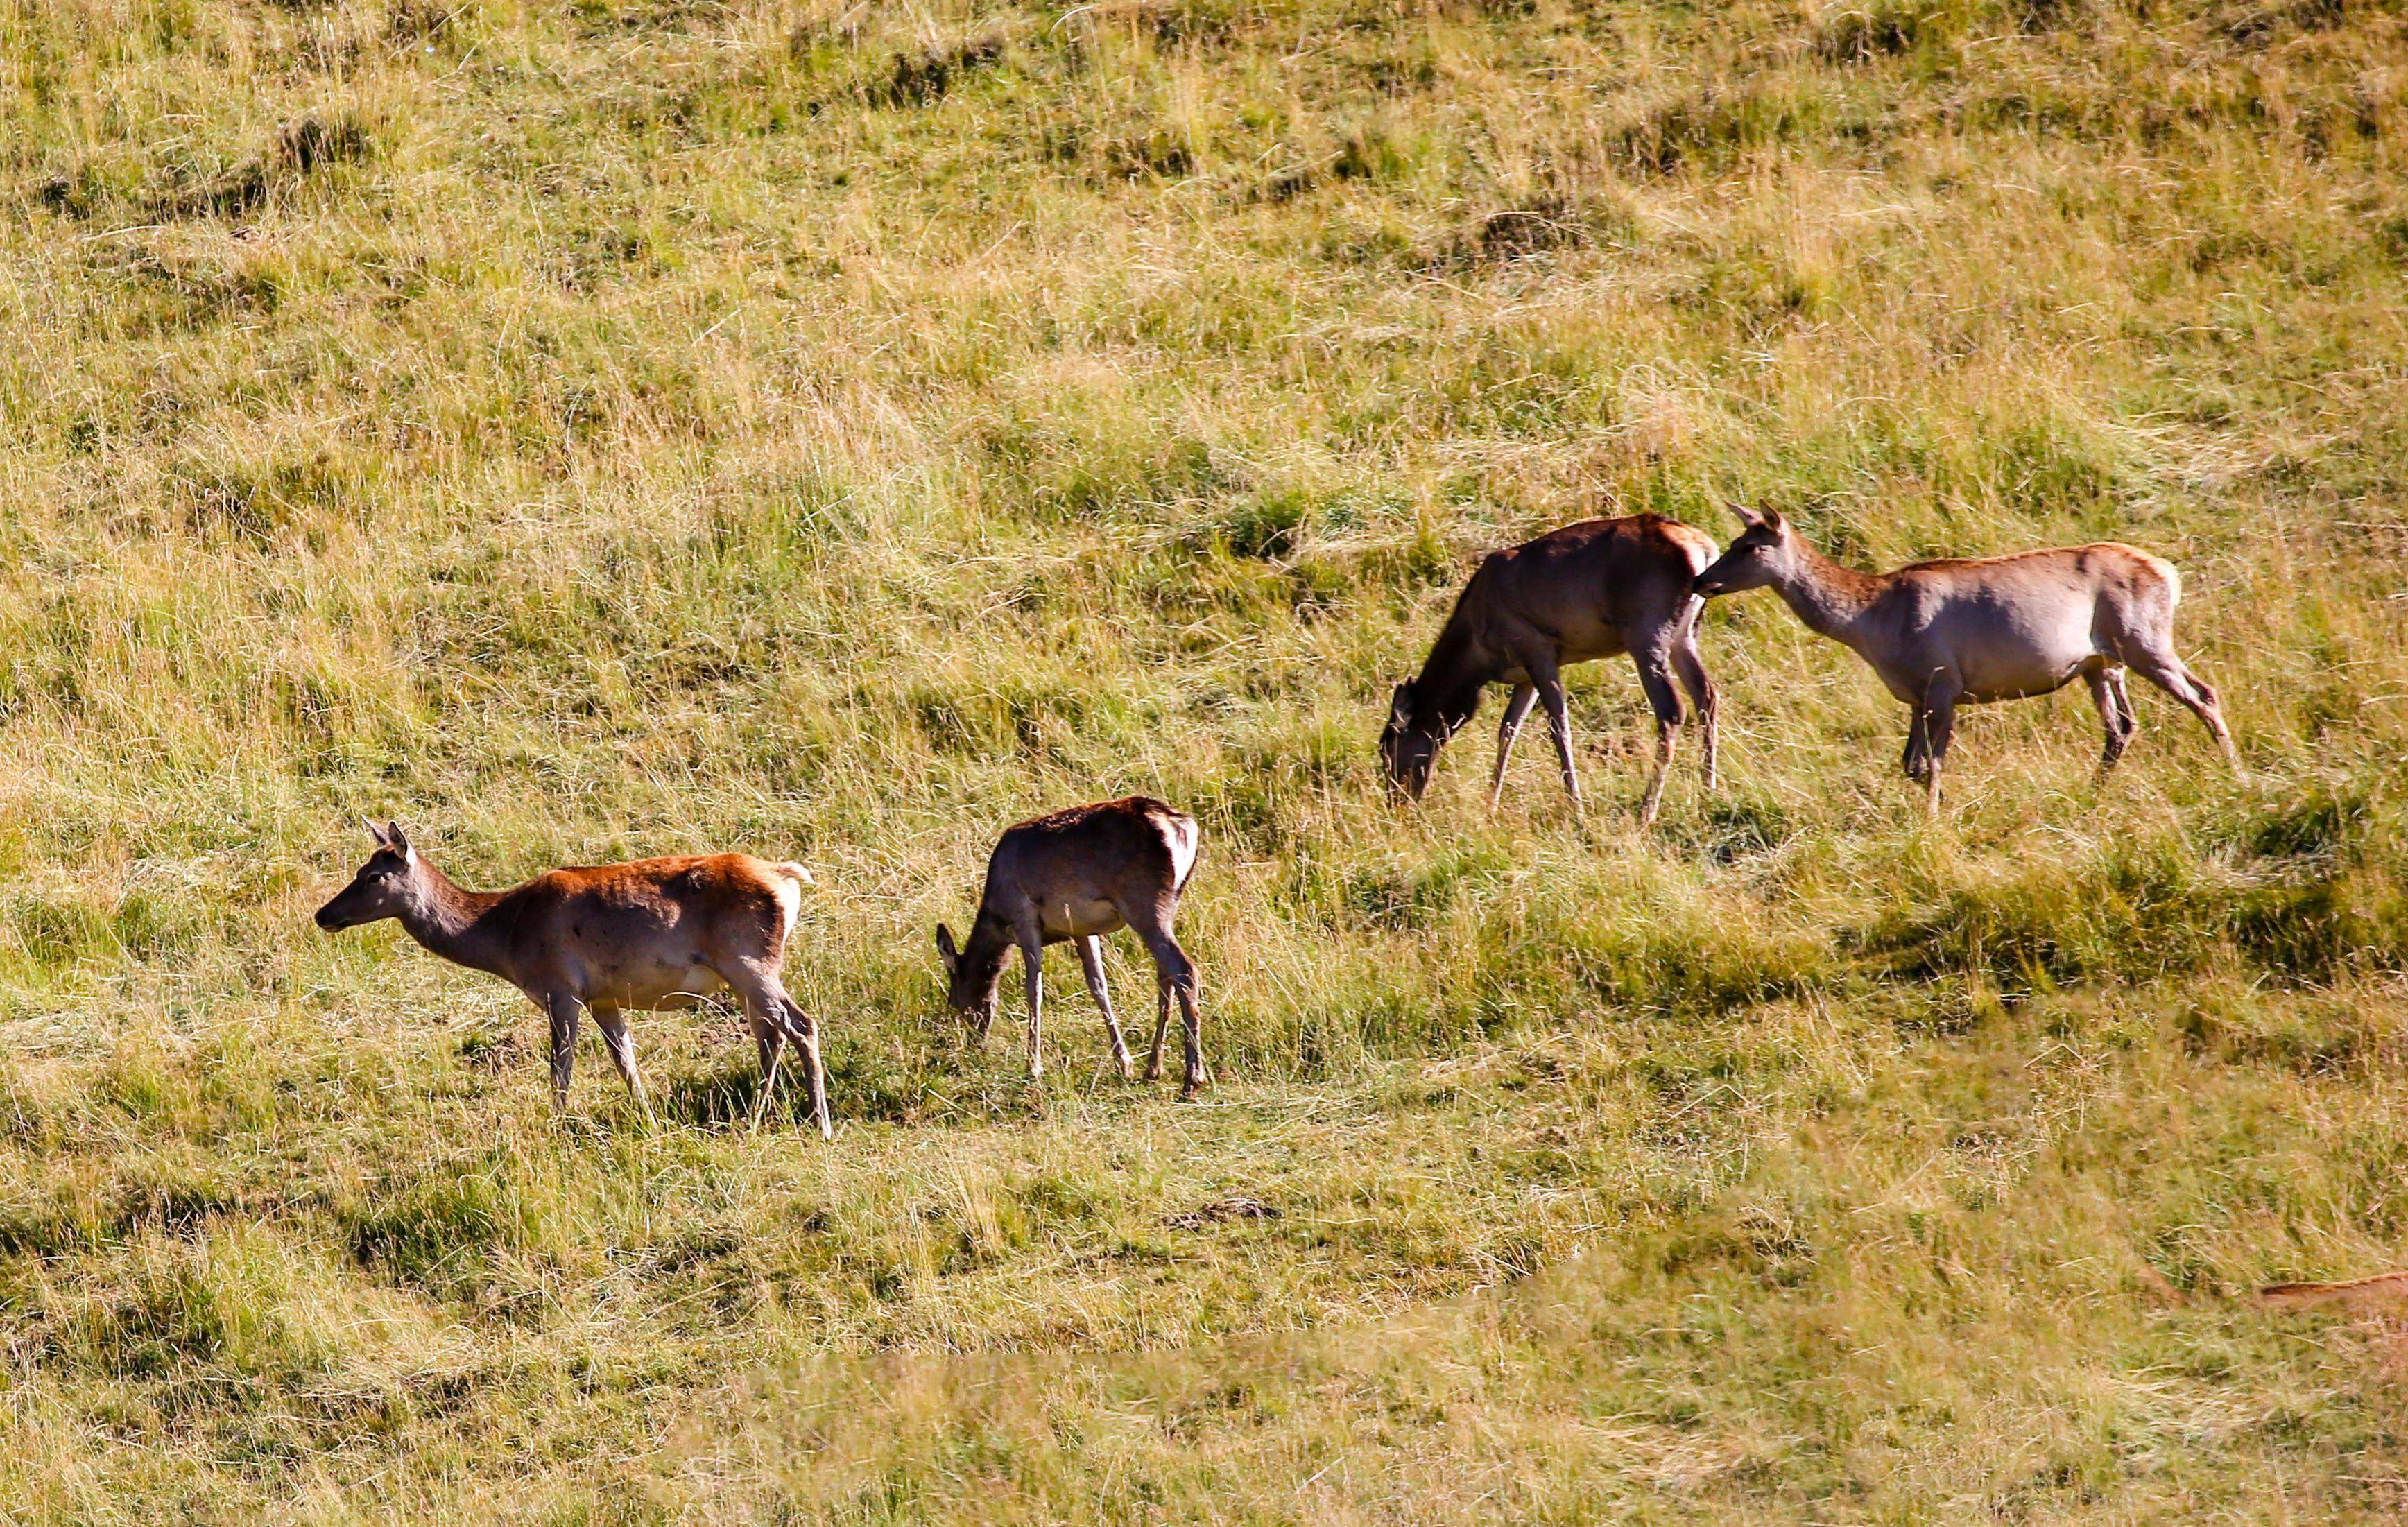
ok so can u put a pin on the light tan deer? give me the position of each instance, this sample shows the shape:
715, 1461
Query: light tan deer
651, 935
1078, 875
1595, 589
1944, 634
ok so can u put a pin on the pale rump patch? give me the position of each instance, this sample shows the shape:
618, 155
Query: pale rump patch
1179, 837
2166, 570
789, 888
1698, 546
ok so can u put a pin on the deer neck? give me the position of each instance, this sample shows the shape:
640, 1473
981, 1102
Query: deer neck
1830, 599
460, 925
989, 944
1447, 693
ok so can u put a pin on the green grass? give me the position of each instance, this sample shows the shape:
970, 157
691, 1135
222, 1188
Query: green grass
585, 431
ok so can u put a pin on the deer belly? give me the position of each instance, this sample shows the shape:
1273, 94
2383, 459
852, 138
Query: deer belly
2023, 675
1081, 919
662, 988
2014, 655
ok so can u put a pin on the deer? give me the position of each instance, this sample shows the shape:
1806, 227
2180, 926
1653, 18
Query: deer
1078, 875
651, 935
1600, 589
1978, 630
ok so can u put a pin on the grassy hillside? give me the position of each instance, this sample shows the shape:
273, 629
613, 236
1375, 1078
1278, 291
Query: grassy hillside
586, 430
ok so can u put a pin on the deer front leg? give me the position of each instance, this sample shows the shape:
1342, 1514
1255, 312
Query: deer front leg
1032, 961
1091, 959
563, 1010
1524, 697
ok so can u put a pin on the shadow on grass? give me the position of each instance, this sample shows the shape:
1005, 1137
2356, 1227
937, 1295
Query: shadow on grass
966, 1088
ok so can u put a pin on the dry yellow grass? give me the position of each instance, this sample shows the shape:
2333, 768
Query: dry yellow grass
606, 429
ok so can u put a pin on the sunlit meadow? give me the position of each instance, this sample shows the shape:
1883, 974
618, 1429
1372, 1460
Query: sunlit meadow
591, 430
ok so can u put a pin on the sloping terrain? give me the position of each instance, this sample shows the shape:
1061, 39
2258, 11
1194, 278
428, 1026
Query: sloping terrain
593, 430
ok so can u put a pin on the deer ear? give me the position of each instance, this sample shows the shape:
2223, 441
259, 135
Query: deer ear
375, 834
1772, 521
1401, 704
396, 839
1745, 515
945, 950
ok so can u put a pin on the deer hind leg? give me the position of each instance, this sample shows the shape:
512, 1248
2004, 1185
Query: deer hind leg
1916, 762
1938, 714
768, 1003
1550, 685
806, 1030
613, 1024
565, 1011
1518, 707
769, 1039
1691, 669
769, 1043
1161, 1021
1174, 977
2115, 712
1091, 959
2160, 666
2124, 703
1656, 679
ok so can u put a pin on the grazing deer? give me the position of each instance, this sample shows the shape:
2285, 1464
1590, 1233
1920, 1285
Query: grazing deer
1078, 874
1941, 634
1595, 589
656, 934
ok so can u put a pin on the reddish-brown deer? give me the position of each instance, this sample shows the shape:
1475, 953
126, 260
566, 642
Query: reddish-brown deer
1600, 589
1969, 632
651, 935
1078, 875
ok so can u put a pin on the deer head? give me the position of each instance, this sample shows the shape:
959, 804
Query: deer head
384, 886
